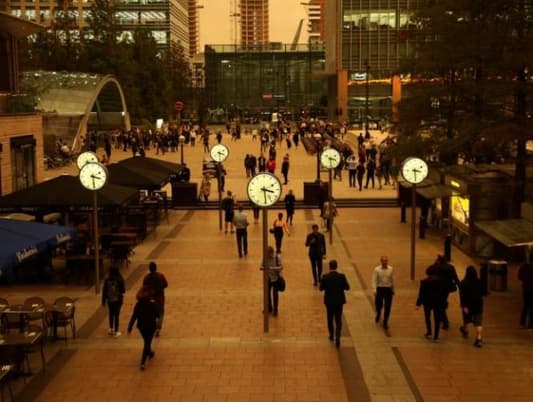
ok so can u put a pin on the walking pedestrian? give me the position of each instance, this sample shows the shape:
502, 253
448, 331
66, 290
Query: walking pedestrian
145, 313
383, 286
285, 168
228, 204
370, 172
360, 174
158, 283
446, 272
205, 188
289, 201
317, 251
471, 296
432, 295
329, 213
525, 274
274, 266
278, 229
352, 169
240, 221
261, 162
113, 295
334, 284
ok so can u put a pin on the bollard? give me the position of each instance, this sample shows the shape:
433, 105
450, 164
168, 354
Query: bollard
402, 213
422, 228
448, 247
484, 278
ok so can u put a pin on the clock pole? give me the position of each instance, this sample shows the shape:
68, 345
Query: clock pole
265, 270
330, 200
413, 230
96, 244
219, 172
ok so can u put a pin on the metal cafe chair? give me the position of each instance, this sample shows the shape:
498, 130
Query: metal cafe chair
66, 318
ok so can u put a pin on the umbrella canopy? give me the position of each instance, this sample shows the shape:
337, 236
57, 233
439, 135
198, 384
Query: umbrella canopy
22, 239
65, 191
141, 179
144, 163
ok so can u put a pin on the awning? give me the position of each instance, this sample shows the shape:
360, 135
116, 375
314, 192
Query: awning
65, 191
17, 26
435, 191
141, 179
21, 240
509, 232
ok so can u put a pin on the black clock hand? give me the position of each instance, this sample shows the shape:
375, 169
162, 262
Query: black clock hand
94, 183
266, 189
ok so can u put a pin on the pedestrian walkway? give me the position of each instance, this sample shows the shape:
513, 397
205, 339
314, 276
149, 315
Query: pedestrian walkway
212, 347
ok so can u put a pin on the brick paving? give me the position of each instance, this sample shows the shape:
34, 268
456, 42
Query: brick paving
213, 348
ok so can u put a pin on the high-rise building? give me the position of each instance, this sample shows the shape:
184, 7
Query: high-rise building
167, 20
315, 18
194, 27
254, 22
365, 40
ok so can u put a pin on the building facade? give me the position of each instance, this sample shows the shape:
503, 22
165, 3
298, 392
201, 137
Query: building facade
365, 40
167, 20
276, 77
254, 22
315, 20
21, 135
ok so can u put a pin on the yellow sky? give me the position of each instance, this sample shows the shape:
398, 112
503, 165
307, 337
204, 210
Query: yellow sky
215, 27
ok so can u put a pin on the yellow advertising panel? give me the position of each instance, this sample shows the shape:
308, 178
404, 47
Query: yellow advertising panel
460, 209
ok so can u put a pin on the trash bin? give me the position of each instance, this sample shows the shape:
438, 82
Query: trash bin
498, 275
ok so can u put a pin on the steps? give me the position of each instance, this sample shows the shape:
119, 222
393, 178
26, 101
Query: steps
341, 203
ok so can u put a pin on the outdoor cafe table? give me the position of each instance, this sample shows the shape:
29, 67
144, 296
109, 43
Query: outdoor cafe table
21, 342
5, 370
21, 311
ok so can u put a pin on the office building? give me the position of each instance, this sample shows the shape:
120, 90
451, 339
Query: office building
315, 20
286, 78
167, 20
365, 41
194, 27
254, 22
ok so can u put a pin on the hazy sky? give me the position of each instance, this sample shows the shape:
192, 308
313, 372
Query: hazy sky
285, 15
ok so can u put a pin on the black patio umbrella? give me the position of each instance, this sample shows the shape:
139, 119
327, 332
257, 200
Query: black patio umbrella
141, 179
63, 192
144, 164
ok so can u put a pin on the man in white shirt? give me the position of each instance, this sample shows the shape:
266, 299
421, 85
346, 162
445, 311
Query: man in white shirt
240, 221
383, 286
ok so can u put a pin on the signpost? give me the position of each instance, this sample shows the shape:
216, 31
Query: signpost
178, 107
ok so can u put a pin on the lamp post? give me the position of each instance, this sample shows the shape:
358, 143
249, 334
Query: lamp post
181, 139
318, 138
367, 95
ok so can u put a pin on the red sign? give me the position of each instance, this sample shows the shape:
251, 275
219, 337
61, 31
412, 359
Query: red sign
267, 96
178, 106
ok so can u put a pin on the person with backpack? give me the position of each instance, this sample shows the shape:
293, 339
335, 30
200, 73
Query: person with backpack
157, 282
113, 296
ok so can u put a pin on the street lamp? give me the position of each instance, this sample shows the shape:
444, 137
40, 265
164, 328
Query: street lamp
318, 138
181, 139
367, 95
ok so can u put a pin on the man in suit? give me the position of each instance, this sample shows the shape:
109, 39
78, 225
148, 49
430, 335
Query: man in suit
334, 284
446, 273
317, 251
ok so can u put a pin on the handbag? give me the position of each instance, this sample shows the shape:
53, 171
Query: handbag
281, 284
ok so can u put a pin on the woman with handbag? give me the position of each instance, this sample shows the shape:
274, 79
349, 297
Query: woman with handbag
274, 267
278, 229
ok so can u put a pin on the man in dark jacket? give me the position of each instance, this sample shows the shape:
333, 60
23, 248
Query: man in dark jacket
157, 282
334, 284
145, 313
446, 272
317, 251
432, 295
525, 275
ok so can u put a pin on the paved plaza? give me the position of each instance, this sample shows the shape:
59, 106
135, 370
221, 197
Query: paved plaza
213, 349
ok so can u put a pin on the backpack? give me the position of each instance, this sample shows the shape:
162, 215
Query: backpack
113, 291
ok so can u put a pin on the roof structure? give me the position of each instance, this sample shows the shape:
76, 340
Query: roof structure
18, 27
94, 99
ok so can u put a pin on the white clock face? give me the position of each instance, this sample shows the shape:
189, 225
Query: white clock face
93, 176
86, 157
330, 158
414, 170
264, 189
219, 152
